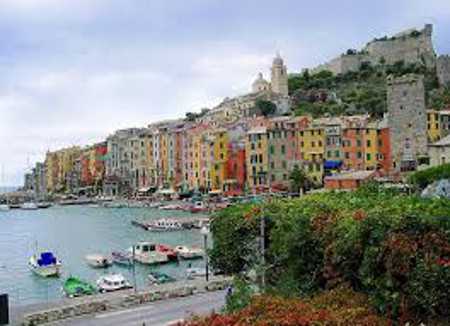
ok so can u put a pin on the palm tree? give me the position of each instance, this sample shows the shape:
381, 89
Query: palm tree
299, 179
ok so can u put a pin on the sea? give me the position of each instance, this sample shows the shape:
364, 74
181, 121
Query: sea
71, 233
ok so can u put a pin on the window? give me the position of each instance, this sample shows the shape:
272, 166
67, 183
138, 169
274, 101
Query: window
369, 157
347, 155
301, 133
283, 149
380, 143
284, 164
284, 177
336, 153
328, 154
358, 142
253, 146
369, 143
320, 143
359, 155
313, 144
328, 141
272, 177
302, 144
272, 150
293, 144
272, 165
260, 158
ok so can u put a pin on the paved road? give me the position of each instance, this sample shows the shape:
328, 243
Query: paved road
159, 313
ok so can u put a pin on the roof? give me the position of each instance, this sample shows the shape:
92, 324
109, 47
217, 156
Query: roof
258, 130
443, 142
351, 175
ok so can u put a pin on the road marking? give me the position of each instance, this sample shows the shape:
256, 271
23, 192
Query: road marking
122, 312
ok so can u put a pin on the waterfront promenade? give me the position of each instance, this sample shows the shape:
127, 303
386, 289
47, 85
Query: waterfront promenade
106, 306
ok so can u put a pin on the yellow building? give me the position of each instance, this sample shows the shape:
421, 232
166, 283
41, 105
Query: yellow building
433, 126
257, 159
370, 147
312, 147
220, 157
51, 165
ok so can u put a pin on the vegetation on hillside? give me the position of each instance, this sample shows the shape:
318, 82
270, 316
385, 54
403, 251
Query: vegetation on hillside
358, 92
393, 250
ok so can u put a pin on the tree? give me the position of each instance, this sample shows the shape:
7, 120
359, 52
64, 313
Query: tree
299, 179
266, 108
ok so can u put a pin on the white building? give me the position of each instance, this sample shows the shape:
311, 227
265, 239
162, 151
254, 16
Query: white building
440, 152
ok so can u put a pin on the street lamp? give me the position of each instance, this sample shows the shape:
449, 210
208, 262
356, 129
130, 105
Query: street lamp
205, 231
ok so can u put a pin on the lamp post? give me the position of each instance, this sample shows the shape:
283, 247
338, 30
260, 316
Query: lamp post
205, 232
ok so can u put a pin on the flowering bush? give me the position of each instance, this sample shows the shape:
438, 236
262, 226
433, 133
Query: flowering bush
340, 306
390, 247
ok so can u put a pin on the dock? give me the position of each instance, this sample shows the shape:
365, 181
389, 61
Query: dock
186, 222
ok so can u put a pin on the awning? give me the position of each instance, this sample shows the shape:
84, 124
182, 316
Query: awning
333, 164
144, 189
215, 192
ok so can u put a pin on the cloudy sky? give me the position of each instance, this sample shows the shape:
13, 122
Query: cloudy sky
71, 72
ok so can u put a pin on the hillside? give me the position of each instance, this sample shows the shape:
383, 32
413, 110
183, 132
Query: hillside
358, 92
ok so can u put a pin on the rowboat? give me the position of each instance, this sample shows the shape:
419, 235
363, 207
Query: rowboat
159, 278
75, 287
189, 253
98, 261
122, 258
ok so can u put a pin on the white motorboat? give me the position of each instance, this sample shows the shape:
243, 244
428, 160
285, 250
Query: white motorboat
164, 225
98, 261
189, 253
4, 208
29, 206
113, 282
147, 253
45, 264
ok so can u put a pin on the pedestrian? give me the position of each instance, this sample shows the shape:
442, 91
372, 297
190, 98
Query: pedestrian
229, 292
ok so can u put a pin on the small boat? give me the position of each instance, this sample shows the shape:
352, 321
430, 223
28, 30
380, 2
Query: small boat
4, 208
159, 278
113, 282
164, 224
98, 261
29, 206
74, 287
44, 205
146, 253
122, 258
45, 264
189, 253
171, 254
199, 207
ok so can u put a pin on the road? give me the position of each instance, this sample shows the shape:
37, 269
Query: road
160, 313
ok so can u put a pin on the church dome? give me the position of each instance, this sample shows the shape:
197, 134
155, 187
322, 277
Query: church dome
260, 84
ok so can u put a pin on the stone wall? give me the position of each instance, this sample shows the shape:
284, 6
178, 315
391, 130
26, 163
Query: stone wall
97, 304
443, 70
407, 119
411, 47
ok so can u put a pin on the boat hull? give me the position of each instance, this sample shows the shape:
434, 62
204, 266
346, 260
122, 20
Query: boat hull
47, 271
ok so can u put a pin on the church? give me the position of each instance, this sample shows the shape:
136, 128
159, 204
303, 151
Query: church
276, 91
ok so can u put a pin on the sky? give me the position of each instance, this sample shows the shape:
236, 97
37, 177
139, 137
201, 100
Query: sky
72, 72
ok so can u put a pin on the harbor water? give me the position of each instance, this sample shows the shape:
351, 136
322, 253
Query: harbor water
72, 232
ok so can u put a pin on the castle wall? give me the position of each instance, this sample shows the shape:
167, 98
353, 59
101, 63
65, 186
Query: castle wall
443, 70
409, 47
407, 119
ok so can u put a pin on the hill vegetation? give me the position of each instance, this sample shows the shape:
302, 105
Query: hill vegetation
360, 92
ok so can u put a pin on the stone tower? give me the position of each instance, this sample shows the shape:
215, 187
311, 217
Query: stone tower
407, 120
279, 77
443, 70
